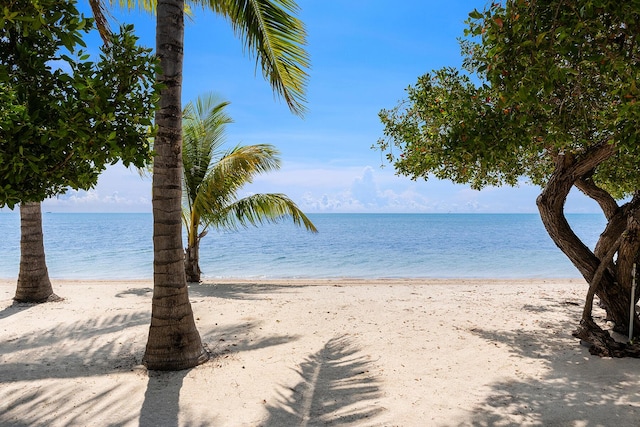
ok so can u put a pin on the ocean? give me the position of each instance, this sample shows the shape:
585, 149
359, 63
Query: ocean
119, 246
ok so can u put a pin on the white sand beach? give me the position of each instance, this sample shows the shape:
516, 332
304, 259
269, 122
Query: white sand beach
315, 353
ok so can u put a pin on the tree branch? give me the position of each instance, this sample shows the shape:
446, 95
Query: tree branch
569, 168
607, 203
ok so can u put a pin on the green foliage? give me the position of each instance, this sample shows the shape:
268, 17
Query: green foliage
270, 29
213, 176
545, 78
63, 117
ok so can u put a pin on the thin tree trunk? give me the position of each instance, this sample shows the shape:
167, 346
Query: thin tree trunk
192, 262
33, 280
174, 342
192, 252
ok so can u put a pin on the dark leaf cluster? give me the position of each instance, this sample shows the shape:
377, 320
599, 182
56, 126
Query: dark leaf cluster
540, 79
65, 117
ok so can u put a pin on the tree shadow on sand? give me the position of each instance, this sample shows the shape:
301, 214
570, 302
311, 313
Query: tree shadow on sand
239, 291
575, 388
73, 350
336, 388
161, 406
15, 308
141, 292
47, 373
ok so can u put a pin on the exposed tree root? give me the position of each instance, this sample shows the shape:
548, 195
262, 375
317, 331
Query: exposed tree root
50, 298
602, 344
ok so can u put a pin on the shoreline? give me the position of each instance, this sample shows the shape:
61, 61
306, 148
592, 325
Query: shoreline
289, 352
342, 281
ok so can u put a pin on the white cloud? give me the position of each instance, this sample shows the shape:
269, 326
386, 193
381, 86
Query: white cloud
119, 190
369, 189
326, 188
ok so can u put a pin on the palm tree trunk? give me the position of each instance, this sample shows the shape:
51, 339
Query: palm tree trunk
192, 262
174, 342
33, 280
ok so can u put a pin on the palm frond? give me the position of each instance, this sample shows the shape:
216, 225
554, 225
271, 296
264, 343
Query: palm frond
212, 178
259, 209
101, 15
231, 172
204, 124
142, 5
186, 218
271, 32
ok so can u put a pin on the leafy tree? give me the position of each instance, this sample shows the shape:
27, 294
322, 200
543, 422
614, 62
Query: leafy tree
64, 117
269, 30
75, 116
212, 179
551, 95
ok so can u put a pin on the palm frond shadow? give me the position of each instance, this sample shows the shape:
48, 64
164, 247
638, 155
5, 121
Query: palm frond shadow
59, 403
336, 388
575, 387
89, 355
66, 356
243, 291
240, 337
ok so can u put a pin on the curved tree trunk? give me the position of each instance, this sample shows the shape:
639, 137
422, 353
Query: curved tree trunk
33, 280
612, 289
174, 342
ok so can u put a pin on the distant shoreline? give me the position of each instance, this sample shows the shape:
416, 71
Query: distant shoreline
346, 281
362, 246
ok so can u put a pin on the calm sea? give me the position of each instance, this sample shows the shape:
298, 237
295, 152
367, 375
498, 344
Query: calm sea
119, 246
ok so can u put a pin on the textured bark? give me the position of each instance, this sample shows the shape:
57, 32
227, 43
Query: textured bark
33, 279
608, 280
192, 262
174, 342
601, 343
603, 198
192, 251
551, 206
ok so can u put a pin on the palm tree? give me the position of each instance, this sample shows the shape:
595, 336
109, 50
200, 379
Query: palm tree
269, 30
33, 279
212, 179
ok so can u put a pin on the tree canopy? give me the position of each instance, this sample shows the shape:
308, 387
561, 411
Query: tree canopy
64, 117
540, 78
548, 93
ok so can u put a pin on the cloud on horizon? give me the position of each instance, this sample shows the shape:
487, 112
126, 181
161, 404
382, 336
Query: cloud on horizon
330, 189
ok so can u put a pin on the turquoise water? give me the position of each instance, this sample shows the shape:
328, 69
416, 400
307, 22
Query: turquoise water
119, 246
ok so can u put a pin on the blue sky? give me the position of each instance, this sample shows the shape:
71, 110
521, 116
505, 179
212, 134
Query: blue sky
364, 53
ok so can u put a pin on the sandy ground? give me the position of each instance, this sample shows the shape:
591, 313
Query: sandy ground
315, 353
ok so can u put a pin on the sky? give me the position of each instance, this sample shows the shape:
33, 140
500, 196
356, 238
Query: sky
364, 54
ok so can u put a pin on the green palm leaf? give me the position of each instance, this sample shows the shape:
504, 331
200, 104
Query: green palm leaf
262, 208
229, 174
212, 178
203, 130
269, 29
